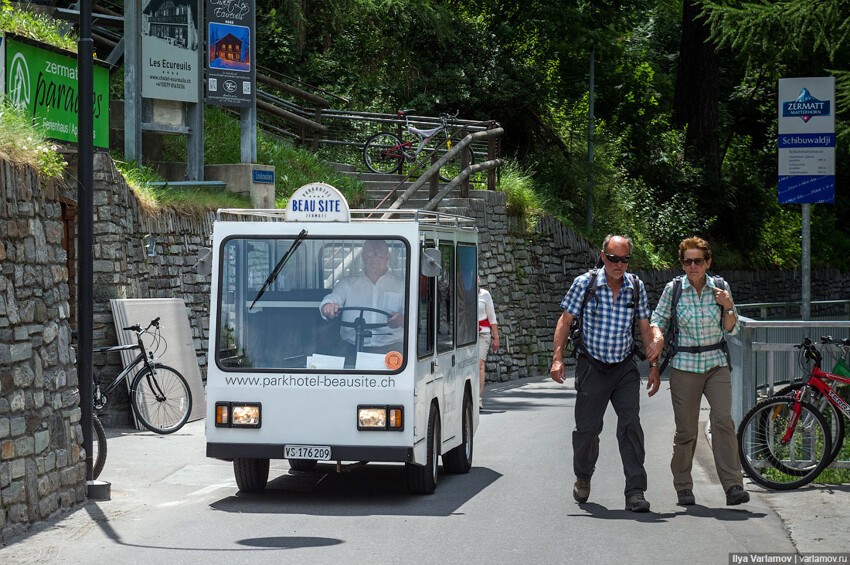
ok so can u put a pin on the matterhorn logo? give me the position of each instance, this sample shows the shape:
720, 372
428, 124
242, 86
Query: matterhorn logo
805, 106
19, 82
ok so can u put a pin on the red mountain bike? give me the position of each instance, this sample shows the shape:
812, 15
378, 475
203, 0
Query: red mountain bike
786, 441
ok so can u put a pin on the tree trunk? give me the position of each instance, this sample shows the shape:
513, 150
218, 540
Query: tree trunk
695, 104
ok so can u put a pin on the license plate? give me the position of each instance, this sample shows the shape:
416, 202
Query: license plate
317, 452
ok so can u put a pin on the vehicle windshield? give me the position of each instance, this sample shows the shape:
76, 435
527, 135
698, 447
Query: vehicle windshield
335, 305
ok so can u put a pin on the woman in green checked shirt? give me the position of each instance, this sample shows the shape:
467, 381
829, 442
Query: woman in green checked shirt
700, 368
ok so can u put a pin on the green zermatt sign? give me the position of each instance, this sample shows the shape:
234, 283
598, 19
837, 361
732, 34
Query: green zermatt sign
43, 83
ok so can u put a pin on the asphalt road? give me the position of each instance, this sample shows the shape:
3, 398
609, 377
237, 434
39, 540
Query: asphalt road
172, 505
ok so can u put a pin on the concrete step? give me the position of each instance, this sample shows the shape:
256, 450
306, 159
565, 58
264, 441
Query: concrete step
342, 167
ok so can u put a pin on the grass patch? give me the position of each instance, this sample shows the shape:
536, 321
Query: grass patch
24, 143
154, 199
34, 25
518, 186
294, 167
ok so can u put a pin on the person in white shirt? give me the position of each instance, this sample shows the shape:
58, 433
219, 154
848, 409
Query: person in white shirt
488, 335
376, 288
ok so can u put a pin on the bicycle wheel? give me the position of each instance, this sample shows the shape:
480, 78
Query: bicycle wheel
161, 399
775, 464
832, 415
451, 169
382, 153
98, 440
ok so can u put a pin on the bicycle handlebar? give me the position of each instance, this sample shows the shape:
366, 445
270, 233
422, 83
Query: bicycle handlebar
138, 329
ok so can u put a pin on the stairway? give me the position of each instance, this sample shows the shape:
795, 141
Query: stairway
379, 185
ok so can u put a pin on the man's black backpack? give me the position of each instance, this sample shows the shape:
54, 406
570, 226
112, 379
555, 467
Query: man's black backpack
575, 343
671, 338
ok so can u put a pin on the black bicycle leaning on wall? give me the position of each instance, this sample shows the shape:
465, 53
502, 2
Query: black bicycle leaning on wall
159, 395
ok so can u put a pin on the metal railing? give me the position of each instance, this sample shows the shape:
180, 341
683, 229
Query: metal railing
764, 357
431, 172
821, 309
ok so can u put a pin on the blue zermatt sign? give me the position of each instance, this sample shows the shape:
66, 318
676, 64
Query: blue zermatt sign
806, 140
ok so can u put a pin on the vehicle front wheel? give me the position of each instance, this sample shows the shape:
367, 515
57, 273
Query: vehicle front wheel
422, 479
251, 474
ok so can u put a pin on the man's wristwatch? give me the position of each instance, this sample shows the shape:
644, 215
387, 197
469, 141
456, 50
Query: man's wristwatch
730, 311
653, 364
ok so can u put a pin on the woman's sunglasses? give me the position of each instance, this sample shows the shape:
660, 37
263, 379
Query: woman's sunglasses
689, 262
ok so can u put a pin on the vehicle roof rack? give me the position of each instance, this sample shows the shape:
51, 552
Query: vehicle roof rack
357, 215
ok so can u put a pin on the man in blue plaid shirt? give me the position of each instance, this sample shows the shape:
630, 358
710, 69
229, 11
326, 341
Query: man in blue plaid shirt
605, 368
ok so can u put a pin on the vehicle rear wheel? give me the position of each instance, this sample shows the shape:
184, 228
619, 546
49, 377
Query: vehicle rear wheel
451, 169
422, 479
383, 153
302, 464
459, 459
251, 474
98, 446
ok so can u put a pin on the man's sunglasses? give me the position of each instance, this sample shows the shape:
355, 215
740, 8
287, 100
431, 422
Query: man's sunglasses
617, 258
689, 262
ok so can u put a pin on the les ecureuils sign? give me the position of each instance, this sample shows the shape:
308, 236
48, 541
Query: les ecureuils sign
42, 81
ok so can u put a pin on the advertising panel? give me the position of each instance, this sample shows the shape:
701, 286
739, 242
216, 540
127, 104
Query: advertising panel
807, 140
170, 49
231, 72
42, 82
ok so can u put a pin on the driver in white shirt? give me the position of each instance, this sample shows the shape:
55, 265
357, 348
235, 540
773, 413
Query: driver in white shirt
375, 288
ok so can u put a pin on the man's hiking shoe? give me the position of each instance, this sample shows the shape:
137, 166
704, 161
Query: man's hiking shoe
581, 490
686, 497
637, 503
736, 495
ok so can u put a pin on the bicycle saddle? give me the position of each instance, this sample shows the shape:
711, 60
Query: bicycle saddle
425, 132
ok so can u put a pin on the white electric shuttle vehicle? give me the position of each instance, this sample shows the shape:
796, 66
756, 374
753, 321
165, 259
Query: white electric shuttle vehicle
390, 377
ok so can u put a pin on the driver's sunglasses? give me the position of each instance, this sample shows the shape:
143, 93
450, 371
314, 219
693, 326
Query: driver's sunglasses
688, 262
617, 258
374, 253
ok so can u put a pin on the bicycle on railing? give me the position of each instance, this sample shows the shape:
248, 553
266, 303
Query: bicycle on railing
786, 441
385, 152
159, 395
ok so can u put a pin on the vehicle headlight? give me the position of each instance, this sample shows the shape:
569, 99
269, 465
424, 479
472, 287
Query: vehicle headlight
378, 418
238, 414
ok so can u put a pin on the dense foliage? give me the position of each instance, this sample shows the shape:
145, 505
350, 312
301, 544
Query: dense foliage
659, 172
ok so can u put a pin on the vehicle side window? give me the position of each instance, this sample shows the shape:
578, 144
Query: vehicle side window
425, 315
446, 299
467, 294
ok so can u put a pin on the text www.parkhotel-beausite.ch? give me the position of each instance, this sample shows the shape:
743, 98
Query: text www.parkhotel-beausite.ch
312, 381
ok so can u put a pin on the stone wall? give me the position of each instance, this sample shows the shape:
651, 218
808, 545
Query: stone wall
42, 467
123, 269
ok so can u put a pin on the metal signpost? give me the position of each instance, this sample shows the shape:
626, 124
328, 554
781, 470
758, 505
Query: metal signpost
806, 156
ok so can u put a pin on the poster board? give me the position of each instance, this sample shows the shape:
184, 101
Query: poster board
175, 328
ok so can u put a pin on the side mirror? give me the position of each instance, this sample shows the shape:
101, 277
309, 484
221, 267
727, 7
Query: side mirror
204, 264
430, 265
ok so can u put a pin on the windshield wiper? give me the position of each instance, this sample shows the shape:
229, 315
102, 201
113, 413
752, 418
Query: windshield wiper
277, 268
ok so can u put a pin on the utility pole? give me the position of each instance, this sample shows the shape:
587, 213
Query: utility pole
85, 225
590, 128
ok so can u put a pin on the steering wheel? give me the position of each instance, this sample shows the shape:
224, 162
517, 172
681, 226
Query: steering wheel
360, 322
361, 328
